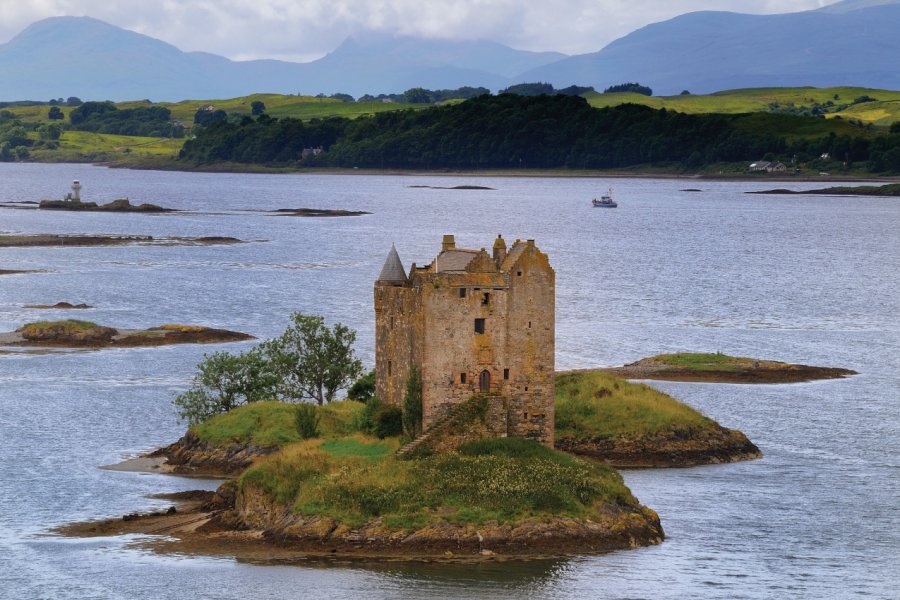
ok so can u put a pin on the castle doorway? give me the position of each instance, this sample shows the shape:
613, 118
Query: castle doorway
484, 381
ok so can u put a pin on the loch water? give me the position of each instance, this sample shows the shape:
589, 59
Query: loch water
814, 280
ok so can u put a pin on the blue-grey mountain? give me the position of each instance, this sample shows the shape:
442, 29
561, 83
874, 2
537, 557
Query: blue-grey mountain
849, 43
84, 57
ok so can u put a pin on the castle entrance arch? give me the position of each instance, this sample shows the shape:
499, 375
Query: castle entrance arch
484, 381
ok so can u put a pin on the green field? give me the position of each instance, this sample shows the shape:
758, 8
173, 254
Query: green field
278, 106
884, 111
81, 146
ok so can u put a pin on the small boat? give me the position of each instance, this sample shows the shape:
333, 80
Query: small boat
605, 200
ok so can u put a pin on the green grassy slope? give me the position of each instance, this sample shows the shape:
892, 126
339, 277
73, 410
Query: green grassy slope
884, 111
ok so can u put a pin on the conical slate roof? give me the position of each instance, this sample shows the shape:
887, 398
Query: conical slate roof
392, 271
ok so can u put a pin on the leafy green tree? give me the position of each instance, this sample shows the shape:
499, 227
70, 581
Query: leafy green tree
412, 404
205, 118
257, 107
224, 381
311, 360
342, 97
529, 89
51, 131
55, 114
417, 96
363, 388
73, 101
635, 88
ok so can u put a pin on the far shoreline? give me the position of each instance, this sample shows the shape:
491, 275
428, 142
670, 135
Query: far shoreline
249, 169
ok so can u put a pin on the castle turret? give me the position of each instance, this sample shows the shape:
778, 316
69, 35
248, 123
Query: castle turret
499, 250
392, 273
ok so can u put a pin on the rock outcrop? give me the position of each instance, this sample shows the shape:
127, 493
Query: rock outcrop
684, 447
191, 456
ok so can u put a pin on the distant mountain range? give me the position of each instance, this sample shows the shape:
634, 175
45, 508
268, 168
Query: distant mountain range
854, 42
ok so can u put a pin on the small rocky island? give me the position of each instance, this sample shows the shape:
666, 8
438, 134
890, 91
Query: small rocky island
120, 205
60, 306
57, 240
317, 212
73, 333
72, 201
722, 368
890, 189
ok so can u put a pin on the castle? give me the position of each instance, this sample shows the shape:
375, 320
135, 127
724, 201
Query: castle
471, 322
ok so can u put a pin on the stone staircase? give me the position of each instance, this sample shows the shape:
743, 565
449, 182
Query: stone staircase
438, 427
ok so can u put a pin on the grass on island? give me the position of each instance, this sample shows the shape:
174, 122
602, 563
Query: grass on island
272, 423
591, 405
63, 327
594, 405
700, 361
355, 481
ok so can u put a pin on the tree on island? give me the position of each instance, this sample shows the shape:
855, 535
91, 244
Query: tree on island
224, 381
308, 361
313, 361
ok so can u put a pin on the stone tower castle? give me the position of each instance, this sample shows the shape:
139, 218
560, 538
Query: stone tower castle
471, 322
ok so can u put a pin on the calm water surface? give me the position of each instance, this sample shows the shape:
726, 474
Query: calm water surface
803, 279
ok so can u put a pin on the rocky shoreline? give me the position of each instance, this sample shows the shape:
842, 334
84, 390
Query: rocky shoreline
250, 525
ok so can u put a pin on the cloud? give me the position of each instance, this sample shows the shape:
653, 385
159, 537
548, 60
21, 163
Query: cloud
306, 29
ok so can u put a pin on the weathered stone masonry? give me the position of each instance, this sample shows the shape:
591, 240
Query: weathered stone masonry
471, 322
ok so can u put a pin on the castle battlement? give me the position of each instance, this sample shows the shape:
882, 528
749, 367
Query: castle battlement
471, 321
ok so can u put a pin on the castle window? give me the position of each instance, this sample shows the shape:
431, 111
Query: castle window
526, 388
529, 324
479, 325
392, 321
462, 377
518, 273
462, 292
525, 416
389, 368
486, 299
505, 373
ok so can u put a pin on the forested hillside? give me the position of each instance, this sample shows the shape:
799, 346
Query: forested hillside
547, 132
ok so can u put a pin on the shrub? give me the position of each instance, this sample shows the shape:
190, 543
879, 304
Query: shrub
306, 418
387, 421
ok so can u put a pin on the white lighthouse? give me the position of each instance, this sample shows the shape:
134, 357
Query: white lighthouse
75, 196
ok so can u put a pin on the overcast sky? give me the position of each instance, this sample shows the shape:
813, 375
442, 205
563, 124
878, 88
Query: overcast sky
307, 29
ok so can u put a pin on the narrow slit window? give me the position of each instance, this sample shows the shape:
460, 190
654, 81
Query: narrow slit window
505, 373
392, 321
525, 416
486, 299
462, 292
526, 388
529, 324
389, 368
479, 325
462, 377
